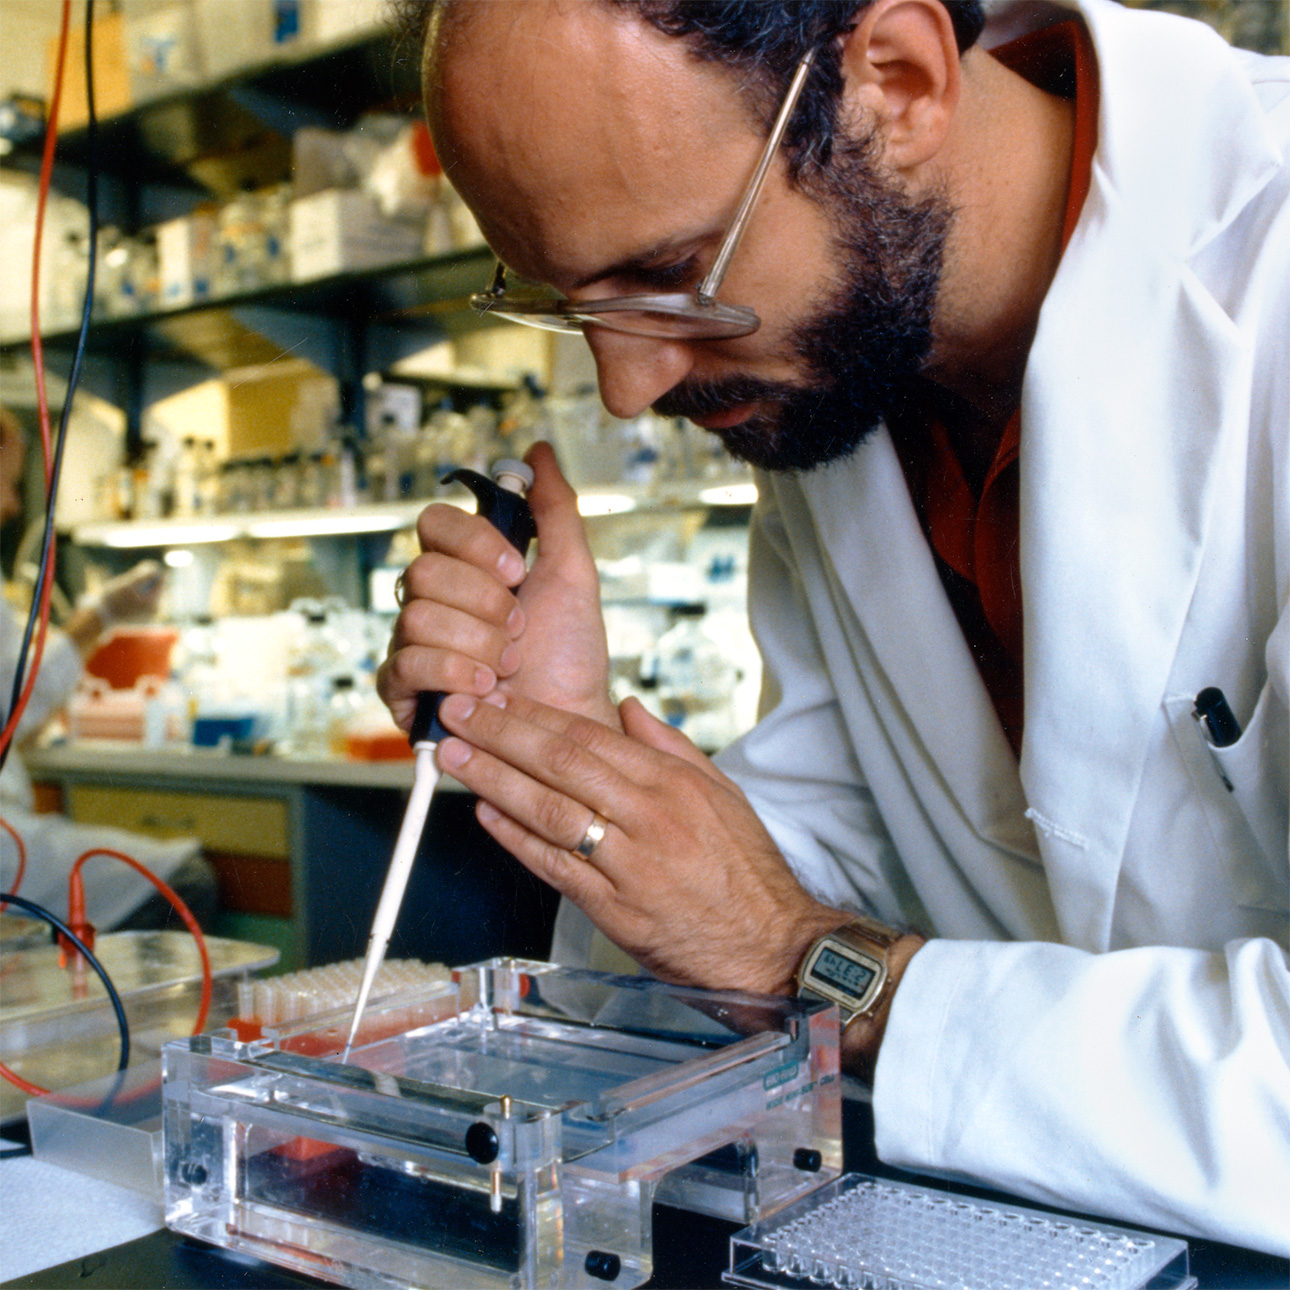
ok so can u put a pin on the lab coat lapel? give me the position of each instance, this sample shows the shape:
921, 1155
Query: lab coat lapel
1135, 379
942, 722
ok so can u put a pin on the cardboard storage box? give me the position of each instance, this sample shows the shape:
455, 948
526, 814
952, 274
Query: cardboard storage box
161, 49
112, 94
341, 229
186, 254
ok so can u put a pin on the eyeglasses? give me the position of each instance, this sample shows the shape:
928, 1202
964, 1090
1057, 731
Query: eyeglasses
677, 315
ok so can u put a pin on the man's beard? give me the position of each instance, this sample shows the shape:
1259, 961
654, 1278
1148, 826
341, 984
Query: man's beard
862, 354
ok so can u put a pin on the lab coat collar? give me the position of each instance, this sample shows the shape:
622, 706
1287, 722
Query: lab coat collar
1181, 136
1135, 380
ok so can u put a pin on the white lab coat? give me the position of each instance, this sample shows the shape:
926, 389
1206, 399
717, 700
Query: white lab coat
1103, 1021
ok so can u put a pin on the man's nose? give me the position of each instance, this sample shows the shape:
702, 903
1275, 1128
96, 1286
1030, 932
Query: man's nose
636, 371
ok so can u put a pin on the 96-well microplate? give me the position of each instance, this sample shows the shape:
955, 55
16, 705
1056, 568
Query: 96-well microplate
863, 1233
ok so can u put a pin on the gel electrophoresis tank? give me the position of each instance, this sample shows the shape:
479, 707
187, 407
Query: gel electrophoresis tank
510, 1129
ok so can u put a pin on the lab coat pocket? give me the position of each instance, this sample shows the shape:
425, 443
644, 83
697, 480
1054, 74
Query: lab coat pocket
1258, 769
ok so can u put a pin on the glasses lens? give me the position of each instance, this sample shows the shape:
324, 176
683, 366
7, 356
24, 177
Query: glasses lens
699, 325
664, 317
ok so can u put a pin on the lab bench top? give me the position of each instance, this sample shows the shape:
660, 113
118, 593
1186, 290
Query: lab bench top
100, 758
59, 1228
307, 844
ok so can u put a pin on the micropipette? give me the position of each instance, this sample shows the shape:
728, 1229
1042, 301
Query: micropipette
501, 502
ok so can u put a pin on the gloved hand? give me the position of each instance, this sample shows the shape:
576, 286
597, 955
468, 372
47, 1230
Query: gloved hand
132, 595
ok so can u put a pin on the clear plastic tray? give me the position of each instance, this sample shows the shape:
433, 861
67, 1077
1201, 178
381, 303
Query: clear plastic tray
58, 1029
109, 1128
865, 1233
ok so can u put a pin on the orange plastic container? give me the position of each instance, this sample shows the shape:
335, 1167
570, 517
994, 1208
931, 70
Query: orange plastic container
127, 654
378, 744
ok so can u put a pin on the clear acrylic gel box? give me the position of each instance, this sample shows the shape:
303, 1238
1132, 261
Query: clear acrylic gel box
865, 1233
58, 1028
510, 1129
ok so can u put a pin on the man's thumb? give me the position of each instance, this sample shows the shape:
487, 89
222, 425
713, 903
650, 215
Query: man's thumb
554, 504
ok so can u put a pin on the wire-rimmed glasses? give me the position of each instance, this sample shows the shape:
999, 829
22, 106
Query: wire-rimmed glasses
676, 315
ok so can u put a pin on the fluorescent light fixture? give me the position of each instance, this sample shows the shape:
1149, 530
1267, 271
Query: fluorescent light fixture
136, 535
729, 495
326, 525
180, 558
605, 503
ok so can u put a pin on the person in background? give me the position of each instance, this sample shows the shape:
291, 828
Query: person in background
116, 896
1020, 403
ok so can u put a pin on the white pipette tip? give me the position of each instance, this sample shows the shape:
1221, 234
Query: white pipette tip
425, 778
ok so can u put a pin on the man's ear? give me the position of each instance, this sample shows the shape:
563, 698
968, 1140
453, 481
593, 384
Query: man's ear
901, 67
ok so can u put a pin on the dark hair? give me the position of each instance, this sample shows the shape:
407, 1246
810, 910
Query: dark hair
766, 41
763, 39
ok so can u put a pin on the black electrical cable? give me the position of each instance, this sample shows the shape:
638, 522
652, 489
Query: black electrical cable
91, 200
59, 926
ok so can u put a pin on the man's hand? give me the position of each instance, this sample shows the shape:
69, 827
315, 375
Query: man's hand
686, 879
473, 620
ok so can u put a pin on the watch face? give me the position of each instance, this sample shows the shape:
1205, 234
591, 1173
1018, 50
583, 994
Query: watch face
842, 973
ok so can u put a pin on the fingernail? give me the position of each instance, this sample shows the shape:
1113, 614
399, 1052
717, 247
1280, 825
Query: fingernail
510, 566
458, 707
510, 660
515, 623
484, 679
454, 753
496, 697
487, 813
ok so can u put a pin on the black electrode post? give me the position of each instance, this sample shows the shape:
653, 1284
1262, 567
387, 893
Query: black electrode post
502, 503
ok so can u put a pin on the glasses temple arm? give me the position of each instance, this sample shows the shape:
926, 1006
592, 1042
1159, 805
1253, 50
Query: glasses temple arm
711, 284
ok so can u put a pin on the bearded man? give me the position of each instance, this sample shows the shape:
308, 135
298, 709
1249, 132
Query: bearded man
1003, 331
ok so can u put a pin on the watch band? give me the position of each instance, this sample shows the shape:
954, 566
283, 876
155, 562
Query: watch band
848, 967
883, 935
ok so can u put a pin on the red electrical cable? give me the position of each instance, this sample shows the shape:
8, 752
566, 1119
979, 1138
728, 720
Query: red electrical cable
77, 922
22, 858
76, 915
46, 439
38, 360
46, 176
24, 1085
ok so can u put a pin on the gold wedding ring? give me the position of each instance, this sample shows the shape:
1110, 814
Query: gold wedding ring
591, 839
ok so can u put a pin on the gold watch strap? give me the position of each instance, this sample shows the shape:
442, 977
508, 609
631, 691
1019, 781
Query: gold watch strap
882, 935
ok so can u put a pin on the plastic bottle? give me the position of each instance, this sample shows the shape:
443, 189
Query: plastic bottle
166, 715
242, 258
208, 479
319, 655
343, 709
696, 681
196, 666
187, 473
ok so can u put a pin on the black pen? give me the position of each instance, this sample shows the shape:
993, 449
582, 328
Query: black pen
1212, 711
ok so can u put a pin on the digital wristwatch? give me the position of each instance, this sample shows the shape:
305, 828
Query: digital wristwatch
848, 966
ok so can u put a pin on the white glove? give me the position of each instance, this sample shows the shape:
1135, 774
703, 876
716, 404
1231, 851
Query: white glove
130, 596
